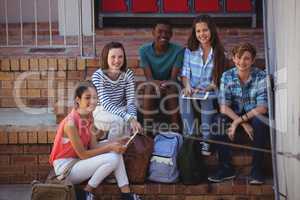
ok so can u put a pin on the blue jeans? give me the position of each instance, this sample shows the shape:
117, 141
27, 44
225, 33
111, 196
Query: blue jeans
191, 125
261, 131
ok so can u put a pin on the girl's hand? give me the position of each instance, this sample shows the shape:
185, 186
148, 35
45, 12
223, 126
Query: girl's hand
117, 147
211, 87
135, 126
187, 91
249, 130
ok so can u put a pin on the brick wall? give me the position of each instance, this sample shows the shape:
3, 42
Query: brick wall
24, 153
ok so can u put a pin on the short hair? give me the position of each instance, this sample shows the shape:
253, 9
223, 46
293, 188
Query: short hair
240, 49
105, 51
164, 22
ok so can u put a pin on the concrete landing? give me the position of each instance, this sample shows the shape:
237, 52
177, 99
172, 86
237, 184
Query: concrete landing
15, 192
28, 117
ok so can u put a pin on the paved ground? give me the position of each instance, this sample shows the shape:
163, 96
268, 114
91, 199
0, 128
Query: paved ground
15, 192
30, 117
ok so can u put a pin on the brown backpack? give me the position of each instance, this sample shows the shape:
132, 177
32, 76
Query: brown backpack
55, 188
137, 158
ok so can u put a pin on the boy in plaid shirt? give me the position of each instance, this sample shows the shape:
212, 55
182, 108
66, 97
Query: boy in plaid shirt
244, 105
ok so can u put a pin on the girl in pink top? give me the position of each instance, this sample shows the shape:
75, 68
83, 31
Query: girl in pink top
76, 139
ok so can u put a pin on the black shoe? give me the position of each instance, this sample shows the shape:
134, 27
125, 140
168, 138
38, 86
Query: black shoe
223, 174
130, 196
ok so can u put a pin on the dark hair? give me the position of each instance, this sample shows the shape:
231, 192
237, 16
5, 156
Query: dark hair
164, 22
218, 49
105, 51
241, 48
81, 87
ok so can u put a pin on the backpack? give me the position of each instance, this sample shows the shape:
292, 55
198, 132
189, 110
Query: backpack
56, 187
137, 157
190, 163
163, 164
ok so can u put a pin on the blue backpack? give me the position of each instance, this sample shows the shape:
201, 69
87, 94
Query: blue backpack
163, 164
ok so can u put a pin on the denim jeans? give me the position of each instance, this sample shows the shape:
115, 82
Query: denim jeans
261, 130
191, 125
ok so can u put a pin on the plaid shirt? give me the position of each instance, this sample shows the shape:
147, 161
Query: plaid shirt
195, 70
243, 98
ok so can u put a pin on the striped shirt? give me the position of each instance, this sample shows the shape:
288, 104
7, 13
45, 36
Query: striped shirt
195, 70
114, 95
243, 98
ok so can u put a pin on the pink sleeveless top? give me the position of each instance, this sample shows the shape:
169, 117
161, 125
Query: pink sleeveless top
66, 150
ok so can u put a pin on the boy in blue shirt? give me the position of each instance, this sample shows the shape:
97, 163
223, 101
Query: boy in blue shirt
161, 61
244, 106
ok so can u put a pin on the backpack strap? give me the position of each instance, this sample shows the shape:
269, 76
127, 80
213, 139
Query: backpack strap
67, 170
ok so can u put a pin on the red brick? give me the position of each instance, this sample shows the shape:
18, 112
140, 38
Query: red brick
33, 75
138, 71
4, 160
34, 169
23, 179
152, 189
14, 65
43, 64
7, 84
37, 84
6, 76
166, 189
3, 138
4, 179
62, 64
90, 72
51, 136
75, 75
11, 149
60, 75
133, 63
37, 149
24, 160
23, 138
225, 188
24, 64
81, 64
52, 64
8, 103
34, 64
33, 93
196, 189
19, 93
43, 159
5, 65
42, 137
254, 189
13, 138
38, 102
138, 189
6, 93
48, 92
92, 63
32, 137
72, 64
12, 170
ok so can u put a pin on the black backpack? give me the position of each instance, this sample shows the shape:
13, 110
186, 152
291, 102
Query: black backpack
190, 163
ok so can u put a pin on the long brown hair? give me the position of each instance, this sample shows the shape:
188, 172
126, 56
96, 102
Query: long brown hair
105, 51
218, 49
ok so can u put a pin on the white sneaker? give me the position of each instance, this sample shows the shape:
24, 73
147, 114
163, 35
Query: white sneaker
90, 196
205, 151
